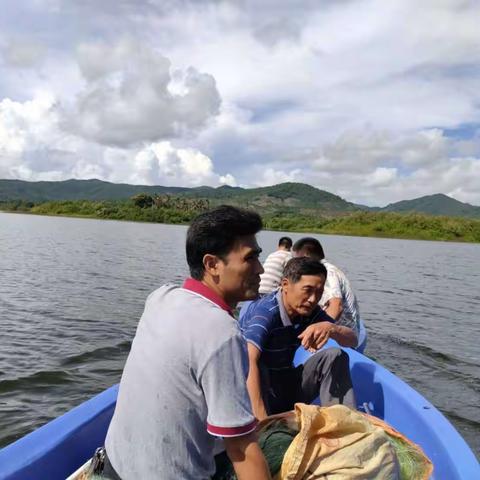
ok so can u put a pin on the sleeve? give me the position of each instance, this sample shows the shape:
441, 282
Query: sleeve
223, 382
319, 315
256, 328
332, 288
346, 320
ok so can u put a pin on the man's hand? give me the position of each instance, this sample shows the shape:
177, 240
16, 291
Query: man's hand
315, 336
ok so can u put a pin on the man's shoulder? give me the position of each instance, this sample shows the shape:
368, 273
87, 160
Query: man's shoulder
186, 311
334, 269
279, 254
266, 307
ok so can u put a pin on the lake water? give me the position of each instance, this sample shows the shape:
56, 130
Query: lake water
72, 291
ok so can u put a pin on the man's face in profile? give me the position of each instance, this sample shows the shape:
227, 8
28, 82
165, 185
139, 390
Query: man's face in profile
239, 271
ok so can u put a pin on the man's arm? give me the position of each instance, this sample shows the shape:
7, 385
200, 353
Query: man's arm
344, 336
247, 457
315, 336
334, 308
254, 384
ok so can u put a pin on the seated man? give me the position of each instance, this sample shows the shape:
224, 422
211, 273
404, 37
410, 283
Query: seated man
184, 380
338, 298
274, 265
276, 325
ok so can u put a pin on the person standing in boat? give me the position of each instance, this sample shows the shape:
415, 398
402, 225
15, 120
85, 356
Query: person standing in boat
338, 300
183, 384
276, 325
274, 265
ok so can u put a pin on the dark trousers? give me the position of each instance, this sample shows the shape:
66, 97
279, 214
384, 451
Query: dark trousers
325, 374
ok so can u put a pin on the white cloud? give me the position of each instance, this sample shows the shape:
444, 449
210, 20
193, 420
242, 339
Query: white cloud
375, 101
162, 164
127, 99
381, 177
25, 128
33, 147
22, 54
272, 176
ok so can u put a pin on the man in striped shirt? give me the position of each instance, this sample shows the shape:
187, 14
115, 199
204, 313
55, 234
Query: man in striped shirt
274, 265
276, 325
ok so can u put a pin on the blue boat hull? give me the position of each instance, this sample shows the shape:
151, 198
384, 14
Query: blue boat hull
57, 449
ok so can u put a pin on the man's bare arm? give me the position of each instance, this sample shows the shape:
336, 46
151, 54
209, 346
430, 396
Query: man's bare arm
247, 457
254, 385
315, 336
334, 308
344, 336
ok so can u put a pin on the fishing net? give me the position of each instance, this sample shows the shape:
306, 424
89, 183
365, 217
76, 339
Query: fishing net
274, 437
335, 442
413, 463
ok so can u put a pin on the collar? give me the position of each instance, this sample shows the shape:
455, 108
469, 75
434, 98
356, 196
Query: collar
200, 288
281, 307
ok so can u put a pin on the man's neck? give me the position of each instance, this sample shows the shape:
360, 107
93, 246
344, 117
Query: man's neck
212, 285
292, 314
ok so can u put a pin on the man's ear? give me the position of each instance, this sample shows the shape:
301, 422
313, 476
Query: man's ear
284, 283
210, 263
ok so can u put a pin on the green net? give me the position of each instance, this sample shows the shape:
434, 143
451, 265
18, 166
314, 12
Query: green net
274, 440
410, 460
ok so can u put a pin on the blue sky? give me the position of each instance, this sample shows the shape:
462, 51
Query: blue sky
374, 101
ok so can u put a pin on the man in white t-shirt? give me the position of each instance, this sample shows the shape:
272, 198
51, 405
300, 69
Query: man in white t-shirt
338, 299
274, 265
184, 381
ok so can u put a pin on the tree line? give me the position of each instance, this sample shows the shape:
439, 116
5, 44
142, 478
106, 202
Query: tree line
180, 210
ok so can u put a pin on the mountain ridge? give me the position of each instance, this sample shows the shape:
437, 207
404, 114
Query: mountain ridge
436, 204
287, 197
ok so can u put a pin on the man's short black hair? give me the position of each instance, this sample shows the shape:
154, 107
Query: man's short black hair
285, 242
298, 266
215, 232
310, 246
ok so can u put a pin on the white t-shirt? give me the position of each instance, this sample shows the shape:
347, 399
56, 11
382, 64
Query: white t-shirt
338, 286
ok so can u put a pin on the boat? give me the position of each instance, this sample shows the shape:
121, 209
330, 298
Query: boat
64, 445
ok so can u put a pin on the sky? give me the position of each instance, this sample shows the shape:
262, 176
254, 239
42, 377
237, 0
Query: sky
376, 101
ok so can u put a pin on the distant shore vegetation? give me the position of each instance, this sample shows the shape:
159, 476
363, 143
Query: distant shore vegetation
180, 210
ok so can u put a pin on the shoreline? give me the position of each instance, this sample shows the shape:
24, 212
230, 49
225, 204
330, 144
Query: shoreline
287, 230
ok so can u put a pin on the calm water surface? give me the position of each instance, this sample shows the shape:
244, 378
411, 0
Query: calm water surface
72, 291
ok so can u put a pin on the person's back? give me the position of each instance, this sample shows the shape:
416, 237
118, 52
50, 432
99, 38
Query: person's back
338, 299
158, 434
274, 265
338, 285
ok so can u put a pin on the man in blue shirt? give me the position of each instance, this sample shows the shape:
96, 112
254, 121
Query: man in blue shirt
276, 325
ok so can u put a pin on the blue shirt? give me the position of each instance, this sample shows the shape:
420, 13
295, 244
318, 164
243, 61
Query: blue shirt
266, 324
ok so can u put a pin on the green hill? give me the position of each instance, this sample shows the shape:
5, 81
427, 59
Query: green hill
292, 207
76, 190
282, 198
438, 204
